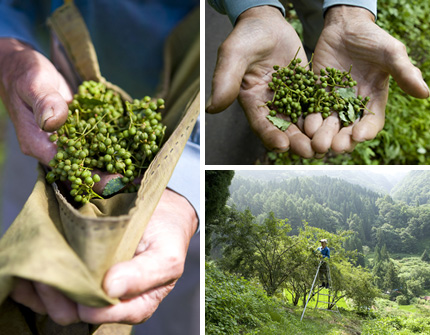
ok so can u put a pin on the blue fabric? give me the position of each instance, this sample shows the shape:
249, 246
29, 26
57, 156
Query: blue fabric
370, 5
234, 8
18, 22
129, 37
324, 252
187, 183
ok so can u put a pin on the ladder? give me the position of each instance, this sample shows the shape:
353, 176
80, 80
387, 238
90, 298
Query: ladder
327, 302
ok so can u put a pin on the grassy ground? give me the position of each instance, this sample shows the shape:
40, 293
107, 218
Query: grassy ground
323, 322
312, 302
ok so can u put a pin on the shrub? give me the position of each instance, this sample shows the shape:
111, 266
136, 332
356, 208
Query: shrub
402, 300
233, 305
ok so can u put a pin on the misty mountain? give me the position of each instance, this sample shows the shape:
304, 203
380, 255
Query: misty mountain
414, 189
378, 182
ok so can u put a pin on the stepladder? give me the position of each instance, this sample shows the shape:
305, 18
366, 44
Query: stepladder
322, 288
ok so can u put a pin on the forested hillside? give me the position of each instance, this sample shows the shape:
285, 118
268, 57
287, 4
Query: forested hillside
378, 182
262, 256
336, 205
414, 189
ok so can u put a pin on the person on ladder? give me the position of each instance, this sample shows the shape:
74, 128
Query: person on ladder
325, 254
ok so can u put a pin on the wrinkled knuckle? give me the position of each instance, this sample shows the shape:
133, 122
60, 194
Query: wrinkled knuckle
138, 316
396, 52
226, 48
177, 266
399, 47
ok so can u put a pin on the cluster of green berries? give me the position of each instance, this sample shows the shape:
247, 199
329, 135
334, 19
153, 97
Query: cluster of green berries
104, 133
300, 92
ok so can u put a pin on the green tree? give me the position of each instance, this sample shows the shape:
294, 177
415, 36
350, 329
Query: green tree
391, 279
357, 284
264, 251
354, 243
425, 257
355, 223
348, 280
216, 195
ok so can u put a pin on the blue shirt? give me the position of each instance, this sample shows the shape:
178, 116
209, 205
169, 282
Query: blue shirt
129, 39
234, 8
324, 252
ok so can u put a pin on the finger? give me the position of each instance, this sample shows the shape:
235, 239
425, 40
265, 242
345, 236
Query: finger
150, 269
323, 137
61, 309
407, 76
228, 74
312, 123
371, 123
131, 311
300, 144
49, 107
105, 178
25, 294
32, 140
272, 137
343, 142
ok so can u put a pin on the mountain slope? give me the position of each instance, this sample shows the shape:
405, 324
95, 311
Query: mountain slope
414, 189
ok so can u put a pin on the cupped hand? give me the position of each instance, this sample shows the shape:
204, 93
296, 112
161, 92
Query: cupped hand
141, 283
261, 39
350, 37
35, 95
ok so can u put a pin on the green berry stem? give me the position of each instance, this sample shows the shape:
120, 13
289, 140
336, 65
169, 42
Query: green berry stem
102, 132
298, 91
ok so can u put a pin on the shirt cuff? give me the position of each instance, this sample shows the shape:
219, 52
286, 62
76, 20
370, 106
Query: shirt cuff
17, 25
234, 8
185, 179
370, 5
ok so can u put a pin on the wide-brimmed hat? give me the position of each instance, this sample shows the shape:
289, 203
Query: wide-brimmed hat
323, 240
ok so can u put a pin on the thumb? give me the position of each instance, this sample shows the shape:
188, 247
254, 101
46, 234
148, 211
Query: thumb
140, 274
407, 76
228, 74
49, 107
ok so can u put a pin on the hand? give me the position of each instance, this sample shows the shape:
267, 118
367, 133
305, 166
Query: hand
35, 96
350, 37
261, 39
141, 283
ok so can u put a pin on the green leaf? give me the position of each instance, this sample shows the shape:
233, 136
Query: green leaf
343, 117
91, 101
113, 186
280, 123
351, 112
347, 92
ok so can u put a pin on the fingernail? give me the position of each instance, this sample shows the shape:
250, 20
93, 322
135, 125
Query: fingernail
208, 107
46, 115
117, 288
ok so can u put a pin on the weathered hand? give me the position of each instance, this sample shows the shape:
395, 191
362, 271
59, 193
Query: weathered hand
35, 96
261, 38
141, 283
350, 37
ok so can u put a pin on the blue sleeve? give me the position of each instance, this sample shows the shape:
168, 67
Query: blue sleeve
328, 253
19, 20
370, 5
234, 8
185, 179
